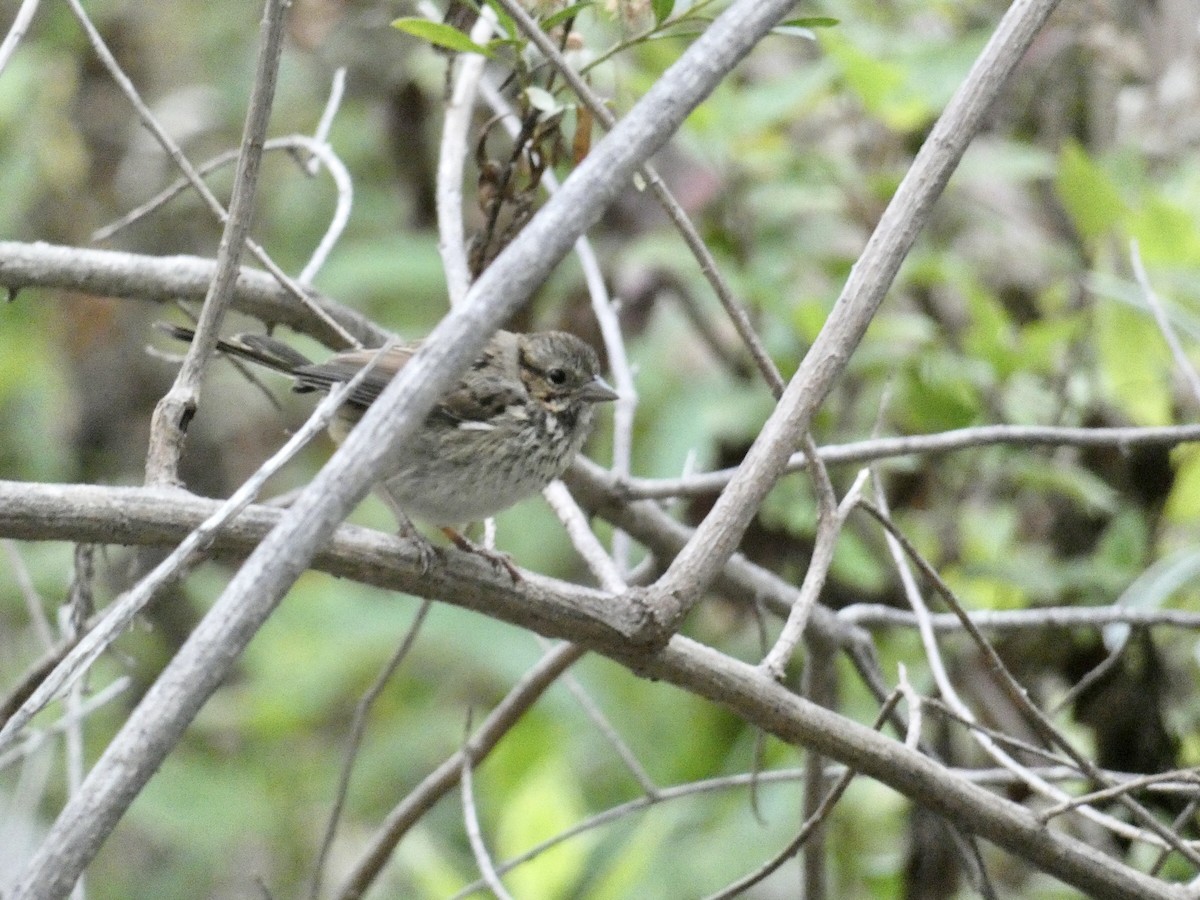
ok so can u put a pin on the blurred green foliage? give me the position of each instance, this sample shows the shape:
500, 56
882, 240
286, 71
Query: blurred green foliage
1017, 305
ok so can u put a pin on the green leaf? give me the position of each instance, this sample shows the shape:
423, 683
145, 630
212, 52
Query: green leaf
441, 35
1166, 232
1134, 364
632, 863
939, 391
810, 22
662, 10
1124, 544
546, 803
803, 28
563, 14
1088, 193
886, 87
504, 22
429, 864
1183, 503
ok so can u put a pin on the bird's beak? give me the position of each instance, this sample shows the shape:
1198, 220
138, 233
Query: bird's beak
597, 391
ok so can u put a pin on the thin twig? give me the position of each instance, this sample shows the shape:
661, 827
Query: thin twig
168, 425
443, 779
17, 31
121, 613
1108, 793
1184, 817
912, 699
452, 155
358, 728
72, 617
625, 407
483, 859
176, 153
35, 738
947, 441
810, 824
34, 604
871, 615
1106, 665
948, 711
319, 153
606, 728
818, 684
583, 538
623, 810
1182, 362
831, 517
337, 89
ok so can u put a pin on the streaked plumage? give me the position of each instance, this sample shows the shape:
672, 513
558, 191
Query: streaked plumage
510, 426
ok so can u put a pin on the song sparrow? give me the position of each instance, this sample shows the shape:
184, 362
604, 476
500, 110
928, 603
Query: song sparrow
510, 426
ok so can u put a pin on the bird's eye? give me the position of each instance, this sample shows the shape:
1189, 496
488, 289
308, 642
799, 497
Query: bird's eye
557, 376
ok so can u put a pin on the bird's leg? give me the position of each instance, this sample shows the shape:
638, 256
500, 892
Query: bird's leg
427, 553
495, 557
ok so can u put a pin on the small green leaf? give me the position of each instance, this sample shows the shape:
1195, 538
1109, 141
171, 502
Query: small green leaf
803, 28
563, 14
888, 89
662, 10
440, 34
504, 22
1134, 364
1088, 192
810, 22
545, 803
1183, 503
1166, 232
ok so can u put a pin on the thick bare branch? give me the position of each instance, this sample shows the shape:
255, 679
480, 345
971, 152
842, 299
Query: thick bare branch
135, 515
163, 279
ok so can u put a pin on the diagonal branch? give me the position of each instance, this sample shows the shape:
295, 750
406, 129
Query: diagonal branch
174, 411
202, 663
669, 600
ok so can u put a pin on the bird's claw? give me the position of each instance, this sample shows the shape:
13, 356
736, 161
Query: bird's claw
497, 558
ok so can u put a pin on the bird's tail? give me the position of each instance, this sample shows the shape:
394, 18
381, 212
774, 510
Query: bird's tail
257, 348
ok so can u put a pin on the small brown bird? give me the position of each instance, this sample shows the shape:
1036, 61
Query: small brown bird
510, 426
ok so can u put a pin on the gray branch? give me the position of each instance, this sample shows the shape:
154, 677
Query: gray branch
669, 600
162, 279
203, 662
558, 609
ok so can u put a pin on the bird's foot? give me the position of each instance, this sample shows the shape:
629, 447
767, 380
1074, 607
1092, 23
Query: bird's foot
427, 553
497, 558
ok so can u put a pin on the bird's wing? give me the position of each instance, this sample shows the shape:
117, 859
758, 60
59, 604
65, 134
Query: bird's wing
342, 367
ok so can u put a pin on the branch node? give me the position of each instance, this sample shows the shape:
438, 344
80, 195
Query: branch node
649, 623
